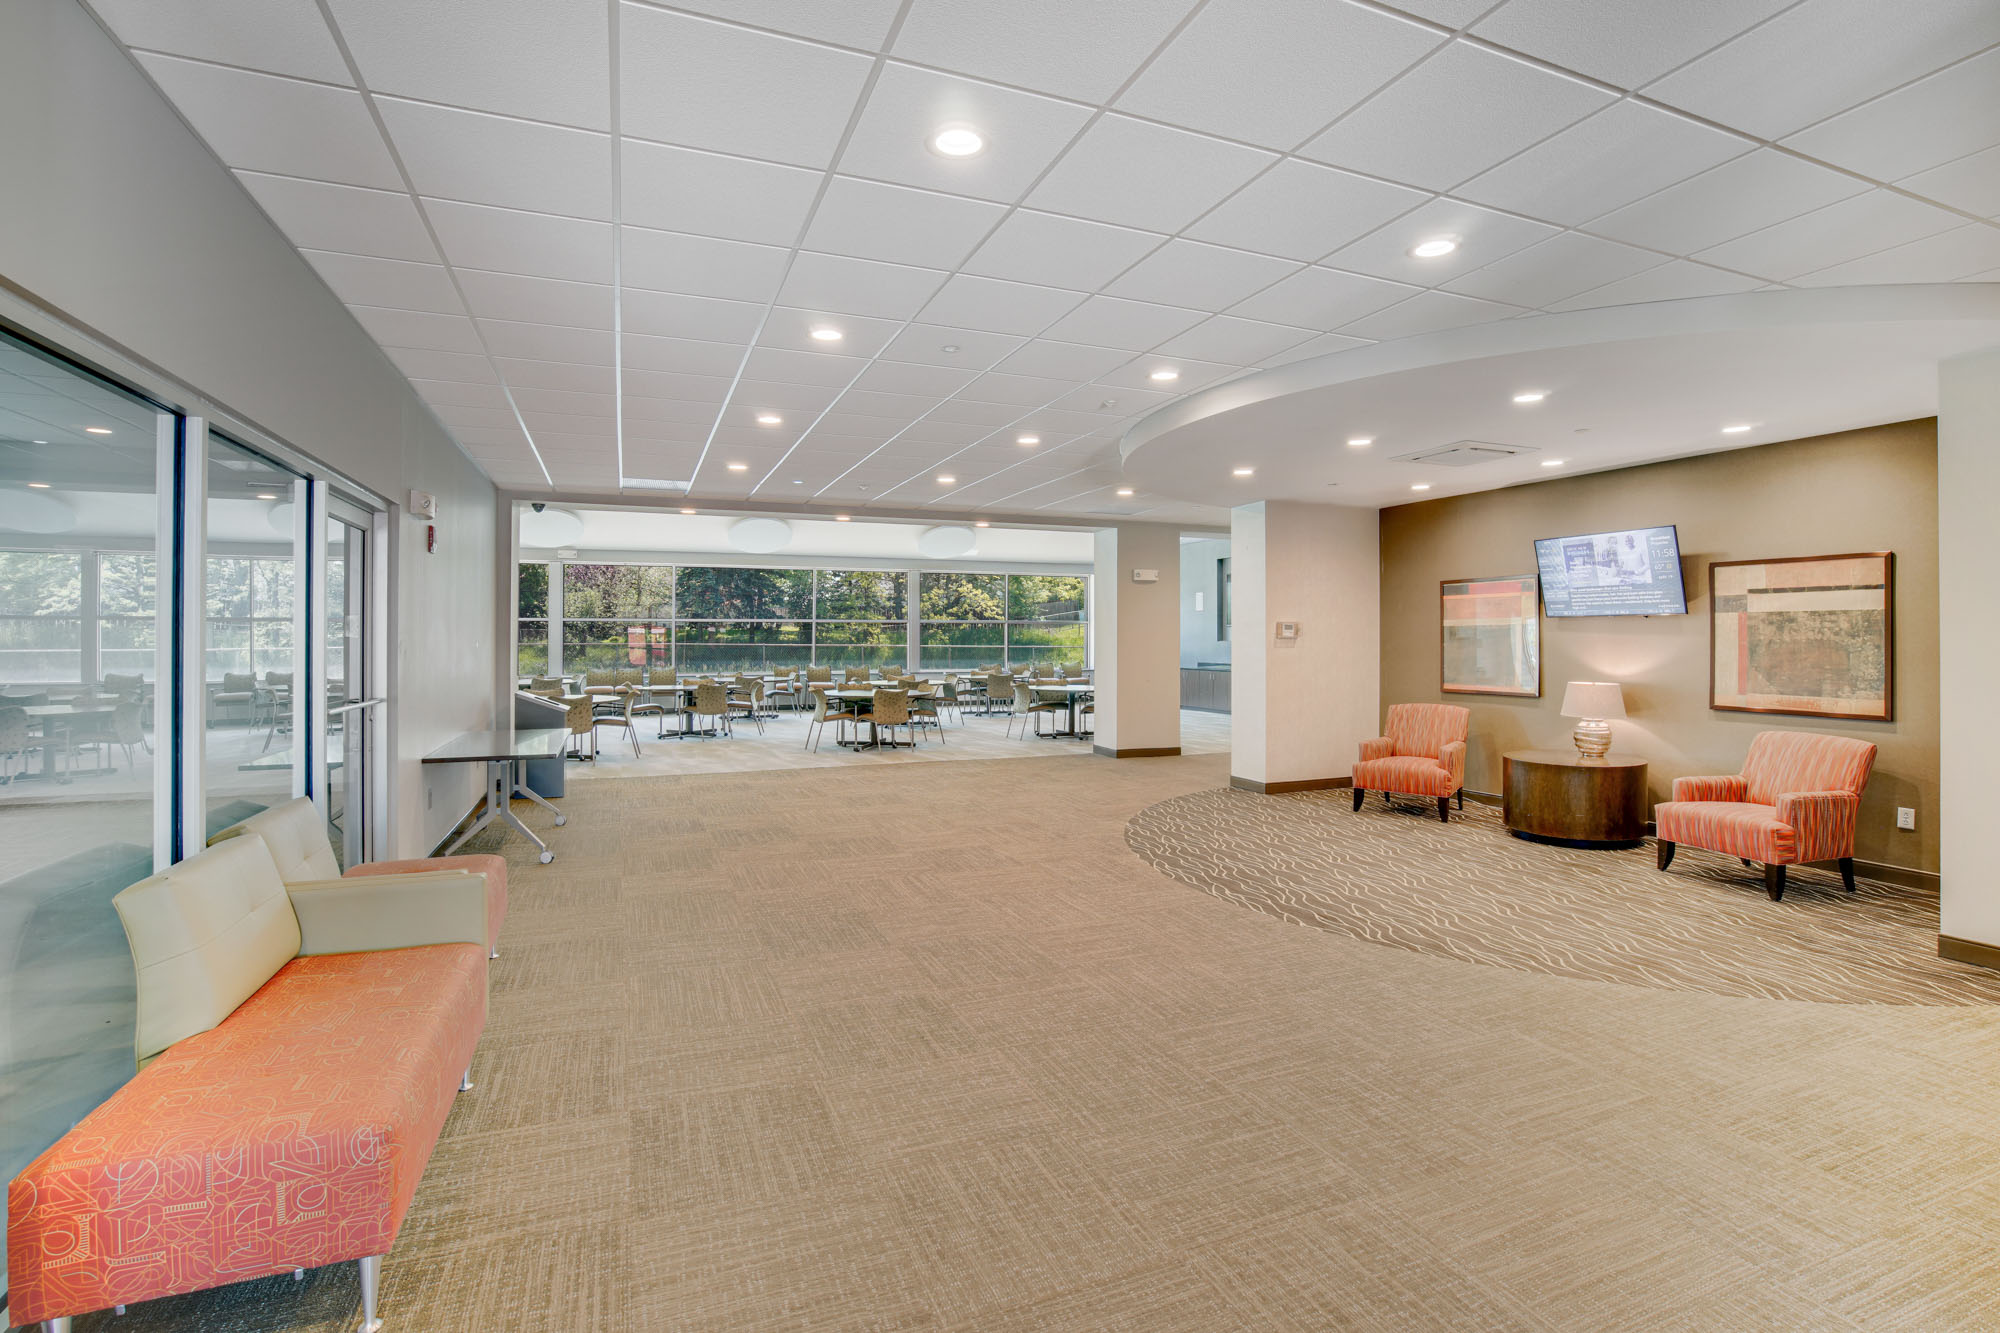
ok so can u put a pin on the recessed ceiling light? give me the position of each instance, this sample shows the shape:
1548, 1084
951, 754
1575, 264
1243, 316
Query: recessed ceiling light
957, 140
39, 485
266, 495
798, 481
1436, 247
687, 511
946, 480
1420, 486
1027, 439
1553, 462
97, 430
1163, 376
982, 523
769, 419
1734, 430
1124, 490
38, 441
739, 467
1245, 471
1530, 396
1360, 441
826, 333
841, 518
949, 347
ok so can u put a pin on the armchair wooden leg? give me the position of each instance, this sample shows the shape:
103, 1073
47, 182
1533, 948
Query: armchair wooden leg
1774, 882
1847, 873
1444, 809
1461, 798
1359, 793
1665, 851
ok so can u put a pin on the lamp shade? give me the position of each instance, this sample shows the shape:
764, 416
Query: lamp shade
1593, 698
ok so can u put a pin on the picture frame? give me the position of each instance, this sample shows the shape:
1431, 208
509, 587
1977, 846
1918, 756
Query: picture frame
1490, 636
1804, 636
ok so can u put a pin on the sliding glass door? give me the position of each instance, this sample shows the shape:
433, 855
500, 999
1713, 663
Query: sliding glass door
348, 727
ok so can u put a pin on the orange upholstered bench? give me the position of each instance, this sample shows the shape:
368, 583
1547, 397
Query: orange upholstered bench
300, 1048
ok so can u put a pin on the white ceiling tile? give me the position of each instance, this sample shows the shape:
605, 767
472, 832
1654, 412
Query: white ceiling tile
445, 393
1195, 373
1023, 132
547, 342
669, 315
507, 241
1117, 172
791, 327
862, 23
1624, 42
1108, 321
259, 122
1675, 280
666, 261
1235, 342
536, 300
899, 225
1324, 345
972, 349
1302, 210
685, 356
997, 306
783, 366
418, 328
838, 285
343, 218
281, 36
1457, 114
1023, 391
394, 283
1061, 252
1125, 403
1053, 46
693, 81
561, 375
1482, 235
476, 418
1739, 196
1950, 256
931, 382
964, 410
1322, 299
1199, 277
944, 434
1844, 51
421, 364
875, 403
1554, 270
1971, 183
802, 401
1930, 122
1831, 235
540, 59
1623, 153
647, 414
556, 400
1450, 13
488, 159
679, 189
1274, 72
1428, 312
1063, 360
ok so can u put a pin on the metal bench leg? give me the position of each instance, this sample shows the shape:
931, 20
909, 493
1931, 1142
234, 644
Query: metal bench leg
56, 1325
371, 1281
465, 1084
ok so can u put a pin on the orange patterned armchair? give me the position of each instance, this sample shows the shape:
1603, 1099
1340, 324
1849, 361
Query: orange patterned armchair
1423, 755
1796, 800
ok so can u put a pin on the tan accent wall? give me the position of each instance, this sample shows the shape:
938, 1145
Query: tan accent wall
1863, 490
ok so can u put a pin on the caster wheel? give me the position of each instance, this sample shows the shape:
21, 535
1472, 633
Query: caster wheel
561, 820
548, 857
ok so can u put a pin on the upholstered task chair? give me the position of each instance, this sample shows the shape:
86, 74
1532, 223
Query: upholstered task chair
1796, 800
1423, 755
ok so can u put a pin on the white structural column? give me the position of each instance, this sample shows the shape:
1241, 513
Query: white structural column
1968, 646
1302, 705
1137, 635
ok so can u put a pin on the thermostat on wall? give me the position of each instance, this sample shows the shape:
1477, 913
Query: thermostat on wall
1288, 629
1145, 576
423, 504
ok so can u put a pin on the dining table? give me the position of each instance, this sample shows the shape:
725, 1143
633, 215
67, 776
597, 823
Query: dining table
865, 694
60, 716
1073, 693
506, 755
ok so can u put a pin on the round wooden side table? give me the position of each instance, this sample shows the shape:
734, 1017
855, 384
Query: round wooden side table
1559, 796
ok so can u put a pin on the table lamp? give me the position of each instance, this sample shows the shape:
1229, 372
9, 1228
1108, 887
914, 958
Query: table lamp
1593, 701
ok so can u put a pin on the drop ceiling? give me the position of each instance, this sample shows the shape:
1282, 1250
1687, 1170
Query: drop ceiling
597, 234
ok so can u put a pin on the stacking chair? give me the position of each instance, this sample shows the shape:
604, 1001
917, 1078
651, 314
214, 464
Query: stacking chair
548, 687
239, 690
891, 709
823, 712
854, 675
1086, 719
819, 675
924, 707
581, 722
947, 701
118, 727
999, 692
14, 741
638, 705
617, 714
785, 687
1026, 706
711, 700
747, 696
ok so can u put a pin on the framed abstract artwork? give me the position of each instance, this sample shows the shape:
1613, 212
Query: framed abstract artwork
1492, 636
1812, 636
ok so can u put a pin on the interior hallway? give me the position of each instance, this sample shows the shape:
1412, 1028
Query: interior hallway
835, 1050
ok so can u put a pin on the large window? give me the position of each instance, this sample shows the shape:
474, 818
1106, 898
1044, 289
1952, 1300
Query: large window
581, 616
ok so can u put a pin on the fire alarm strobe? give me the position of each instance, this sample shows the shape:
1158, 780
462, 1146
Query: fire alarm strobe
1145, 576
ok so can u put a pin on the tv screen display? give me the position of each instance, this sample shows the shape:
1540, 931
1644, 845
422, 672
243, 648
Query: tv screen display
1636, 572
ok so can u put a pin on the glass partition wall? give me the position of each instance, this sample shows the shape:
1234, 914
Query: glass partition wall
154, 600
582, 616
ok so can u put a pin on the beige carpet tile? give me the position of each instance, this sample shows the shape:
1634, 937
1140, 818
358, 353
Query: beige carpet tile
1393, 875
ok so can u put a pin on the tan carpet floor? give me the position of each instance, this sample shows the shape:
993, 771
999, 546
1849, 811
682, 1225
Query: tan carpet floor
927, 1047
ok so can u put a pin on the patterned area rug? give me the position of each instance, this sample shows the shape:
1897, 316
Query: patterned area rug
1469, 890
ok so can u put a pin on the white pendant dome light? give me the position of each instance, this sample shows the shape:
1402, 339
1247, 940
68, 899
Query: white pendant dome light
760, 536
946, 541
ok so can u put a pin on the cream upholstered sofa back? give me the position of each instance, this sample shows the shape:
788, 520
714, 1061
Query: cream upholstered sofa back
296, 836
205, 934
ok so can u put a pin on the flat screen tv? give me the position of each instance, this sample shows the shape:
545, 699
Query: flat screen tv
1636, 572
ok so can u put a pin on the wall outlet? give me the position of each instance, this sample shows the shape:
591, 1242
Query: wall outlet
1906, 818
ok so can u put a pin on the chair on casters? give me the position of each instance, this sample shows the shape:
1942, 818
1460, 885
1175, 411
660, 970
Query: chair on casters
1797, 799
1423, 755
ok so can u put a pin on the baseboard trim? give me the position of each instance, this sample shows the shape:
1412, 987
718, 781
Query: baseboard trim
1160, 752
1482, 797
1903, 875
1956, 950
1280, 788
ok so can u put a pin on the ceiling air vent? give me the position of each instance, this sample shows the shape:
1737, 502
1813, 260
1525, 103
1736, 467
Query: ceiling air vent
1467, 453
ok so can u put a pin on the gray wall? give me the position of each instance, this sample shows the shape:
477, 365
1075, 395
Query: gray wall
1198, 641
122, 221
